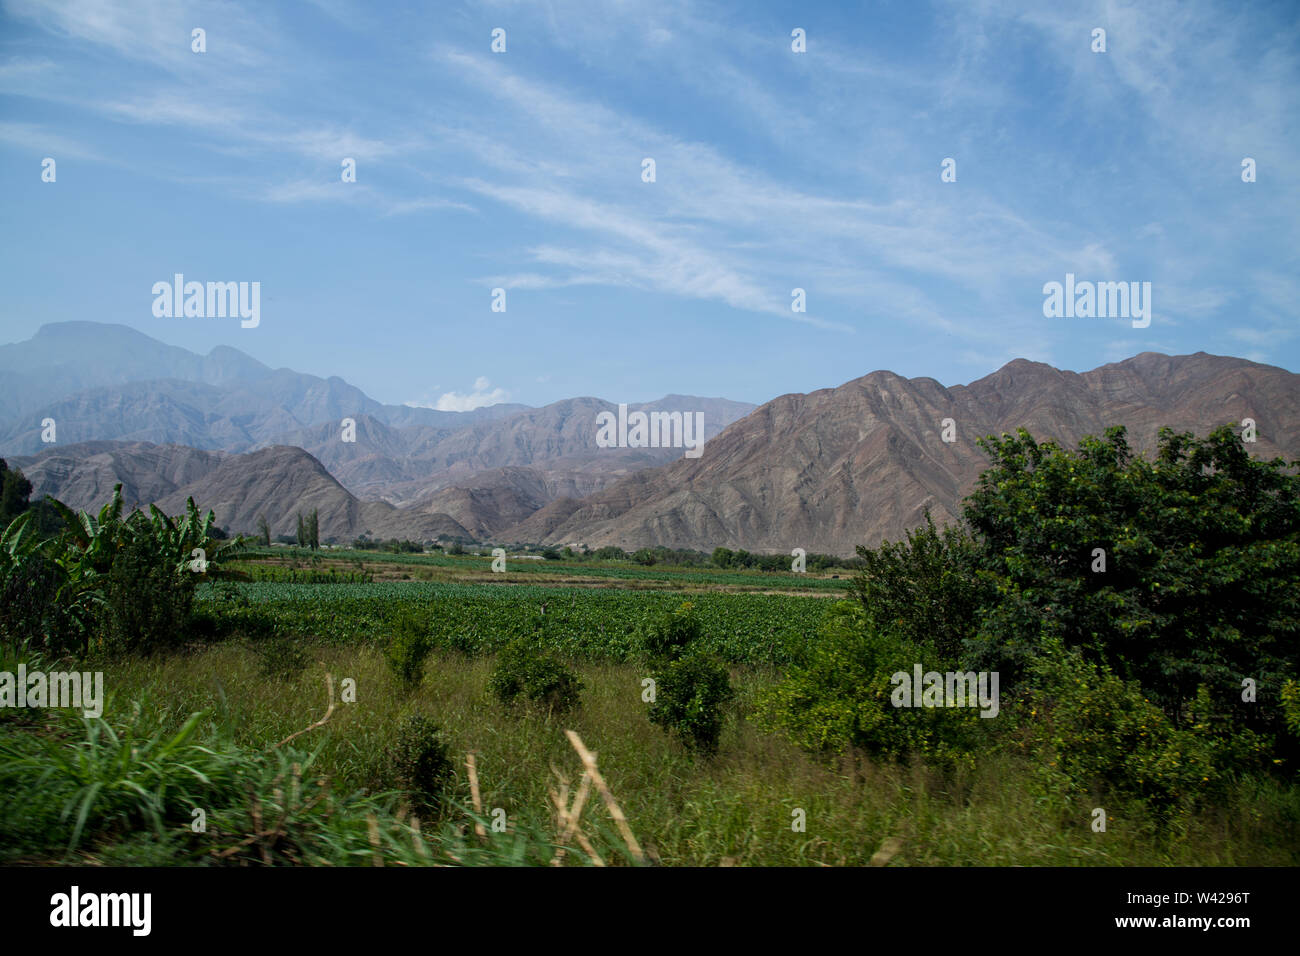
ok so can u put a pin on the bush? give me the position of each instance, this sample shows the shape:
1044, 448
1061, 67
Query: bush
420, 763
524, 670
690, 693
280, 657
31, 613
147, 599
408, 649
924, 590
841, 695
667, 636
1099, 732
1201, 582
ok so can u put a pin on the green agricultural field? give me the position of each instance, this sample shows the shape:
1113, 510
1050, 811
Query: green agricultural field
582, 622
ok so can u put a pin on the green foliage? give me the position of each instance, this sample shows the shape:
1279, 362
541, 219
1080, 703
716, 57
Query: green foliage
420, 763
691, 692
119, 775
37, 608
922, 591
1201, 585
591, 623
1098, 731
15, 490
147, 601
408, 648
840, 697
281, 657
668, 635
1291, 706
522, 669
126, 788
1125, 675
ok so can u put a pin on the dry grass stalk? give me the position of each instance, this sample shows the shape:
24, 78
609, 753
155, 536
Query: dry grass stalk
589, 761
329, 685
373, 823
888, 850
569, 823
416, 839
584, 788
474, 794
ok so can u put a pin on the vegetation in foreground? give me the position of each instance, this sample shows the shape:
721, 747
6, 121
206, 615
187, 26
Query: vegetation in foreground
1142, 616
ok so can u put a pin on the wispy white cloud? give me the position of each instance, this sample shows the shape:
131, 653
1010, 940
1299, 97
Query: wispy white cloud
33, 136
480, 395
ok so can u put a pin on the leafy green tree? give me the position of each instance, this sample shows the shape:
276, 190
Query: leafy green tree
1177, 572
264, 531
15, 492
925, 590
313, 529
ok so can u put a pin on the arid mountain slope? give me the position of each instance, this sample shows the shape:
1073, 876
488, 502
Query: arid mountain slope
856, 464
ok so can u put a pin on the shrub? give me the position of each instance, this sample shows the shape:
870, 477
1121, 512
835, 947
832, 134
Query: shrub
690, 693
280, 657
420, 763
667, 636
841, 695
1201, 584
1083, 722
524, 670
408, 649
147, 600
924, 590
31, 612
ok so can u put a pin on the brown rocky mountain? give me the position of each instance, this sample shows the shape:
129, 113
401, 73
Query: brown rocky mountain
282, 482
82, 476
278, 482
856, 464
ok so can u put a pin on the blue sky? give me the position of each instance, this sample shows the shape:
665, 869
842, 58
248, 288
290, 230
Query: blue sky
775, 170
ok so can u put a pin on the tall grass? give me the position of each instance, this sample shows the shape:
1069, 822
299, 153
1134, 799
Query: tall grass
685, 810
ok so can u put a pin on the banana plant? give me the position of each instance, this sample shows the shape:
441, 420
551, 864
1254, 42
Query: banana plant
16, 546
187, 543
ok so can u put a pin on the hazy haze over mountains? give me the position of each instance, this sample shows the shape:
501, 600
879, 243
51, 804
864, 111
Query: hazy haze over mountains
158, 418
825, 471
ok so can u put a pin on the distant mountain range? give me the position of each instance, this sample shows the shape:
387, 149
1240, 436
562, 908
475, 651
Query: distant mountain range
128, 407
825, 471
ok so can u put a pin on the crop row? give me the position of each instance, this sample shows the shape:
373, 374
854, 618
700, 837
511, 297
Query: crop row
679, 576
582, 622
